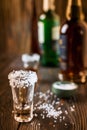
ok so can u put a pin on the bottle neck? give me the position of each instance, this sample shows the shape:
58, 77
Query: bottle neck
33, 7
48, 5
74, 2
74, 10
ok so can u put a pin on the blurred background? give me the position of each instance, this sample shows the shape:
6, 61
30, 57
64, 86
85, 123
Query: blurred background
15, 23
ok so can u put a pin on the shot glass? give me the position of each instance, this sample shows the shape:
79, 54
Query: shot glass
22, 85
31, 62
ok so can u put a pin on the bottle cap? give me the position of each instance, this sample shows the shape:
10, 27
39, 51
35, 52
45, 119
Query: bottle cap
64, 88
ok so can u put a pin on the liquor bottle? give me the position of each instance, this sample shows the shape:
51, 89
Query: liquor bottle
34, 30
48, 34
73, 44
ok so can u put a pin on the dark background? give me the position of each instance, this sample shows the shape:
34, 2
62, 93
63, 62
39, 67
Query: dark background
15, 23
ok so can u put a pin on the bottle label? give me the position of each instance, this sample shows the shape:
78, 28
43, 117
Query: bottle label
41, 32
55, 32
54, 45
63, 51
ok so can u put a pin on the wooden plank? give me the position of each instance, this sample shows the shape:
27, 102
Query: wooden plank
7, 121
33, 125
5, 60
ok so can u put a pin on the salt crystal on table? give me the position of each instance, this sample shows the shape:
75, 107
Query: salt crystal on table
35, 115
51, 107
66, 112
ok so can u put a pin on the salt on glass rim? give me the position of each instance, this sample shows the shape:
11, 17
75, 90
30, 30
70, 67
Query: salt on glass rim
30, 58
21, 78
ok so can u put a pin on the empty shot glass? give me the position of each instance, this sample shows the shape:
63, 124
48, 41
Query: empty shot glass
22, 85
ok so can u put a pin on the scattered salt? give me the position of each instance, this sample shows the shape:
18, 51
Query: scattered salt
63, 117
43, 117
35, 115
59, 108
51, 112
66, 124
55, 121
66, 112
72, 109
53, 125
38, 124
50, 106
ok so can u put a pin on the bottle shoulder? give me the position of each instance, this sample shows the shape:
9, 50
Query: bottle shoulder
71, 25
49, 15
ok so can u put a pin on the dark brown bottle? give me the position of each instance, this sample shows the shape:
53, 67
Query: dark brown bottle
73, 44
34, 30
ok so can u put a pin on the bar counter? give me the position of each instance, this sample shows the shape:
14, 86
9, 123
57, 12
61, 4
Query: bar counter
50, 111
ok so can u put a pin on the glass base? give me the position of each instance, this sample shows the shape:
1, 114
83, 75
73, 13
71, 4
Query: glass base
23, 113
23, 118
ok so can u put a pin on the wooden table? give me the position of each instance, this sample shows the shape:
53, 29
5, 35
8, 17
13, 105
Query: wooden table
71, 112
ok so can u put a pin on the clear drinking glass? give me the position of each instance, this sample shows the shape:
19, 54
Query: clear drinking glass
22, 84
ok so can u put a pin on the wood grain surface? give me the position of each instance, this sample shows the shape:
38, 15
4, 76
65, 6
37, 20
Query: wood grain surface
76, 106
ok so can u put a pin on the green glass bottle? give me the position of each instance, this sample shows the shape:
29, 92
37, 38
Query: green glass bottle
48, 34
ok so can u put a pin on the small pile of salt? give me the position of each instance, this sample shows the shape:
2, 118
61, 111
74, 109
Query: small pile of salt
48, 105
